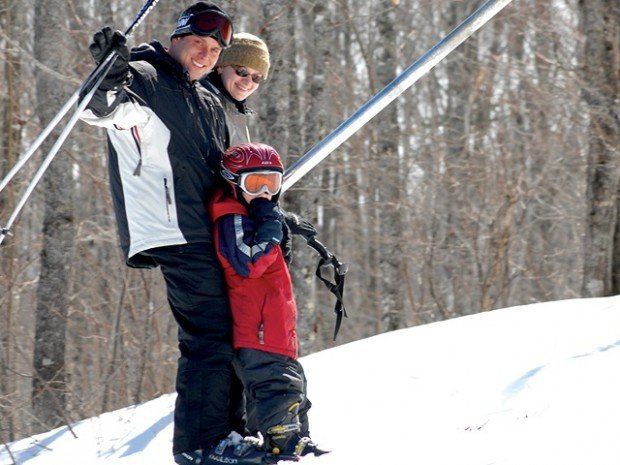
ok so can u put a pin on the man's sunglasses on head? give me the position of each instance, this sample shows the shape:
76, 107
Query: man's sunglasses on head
207, 23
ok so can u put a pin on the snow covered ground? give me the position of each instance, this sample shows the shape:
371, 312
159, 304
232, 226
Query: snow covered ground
530, 385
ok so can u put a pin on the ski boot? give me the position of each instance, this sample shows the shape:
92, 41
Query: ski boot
283, 441
189, 458
312, 447
238, 450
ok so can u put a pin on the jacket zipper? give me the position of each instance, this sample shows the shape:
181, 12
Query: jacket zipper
168, 198
136, 138
261, 334
205, 126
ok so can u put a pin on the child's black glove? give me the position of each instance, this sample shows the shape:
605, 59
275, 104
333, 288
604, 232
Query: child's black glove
287, 243
267, 214
104, 42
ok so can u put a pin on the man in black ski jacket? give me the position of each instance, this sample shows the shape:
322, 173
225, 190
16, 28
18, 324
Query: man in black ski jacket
166, 135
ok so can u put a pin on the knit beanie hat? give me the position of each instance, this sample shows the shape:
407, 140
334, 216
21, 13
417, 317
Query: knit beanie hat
246, 50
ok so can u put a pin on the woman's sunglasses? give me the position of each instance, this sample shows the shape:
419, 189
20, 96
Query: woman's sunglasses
243, 72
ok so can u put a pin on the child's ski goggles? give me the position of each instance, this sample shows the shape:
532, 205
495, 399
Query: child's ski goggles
207, 23
256, 182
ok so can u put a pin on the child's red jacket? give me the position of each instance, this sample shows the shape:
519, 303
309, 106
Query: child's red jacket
259, 284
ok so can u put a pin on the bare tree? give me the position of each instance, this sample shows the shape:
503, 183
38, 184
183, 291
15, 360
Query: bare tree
50, 376
388, 181
600, 24
10, 143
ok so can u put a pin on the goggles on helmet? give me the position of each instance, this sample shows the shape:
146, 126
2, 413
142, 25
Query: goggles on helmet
256, 182
207, 23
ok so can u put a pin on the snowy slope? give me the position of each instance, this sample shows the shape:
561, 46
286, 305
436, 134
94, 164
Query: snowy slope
530, 385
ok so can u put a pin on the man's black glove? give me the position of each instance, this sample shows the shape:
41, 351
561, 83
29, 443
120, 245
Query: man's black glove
267, 214
299, 226
104, 42
287, 243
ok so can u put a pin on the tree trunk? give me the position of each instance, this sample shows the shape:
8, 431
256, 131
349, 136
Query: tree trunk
275, 117
600, 24
460, 200
296, 200
317, 126
50, 377
388, 180
10, 143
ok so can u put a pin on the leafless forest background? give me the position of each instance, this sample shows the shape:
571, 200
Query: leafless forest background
492, 182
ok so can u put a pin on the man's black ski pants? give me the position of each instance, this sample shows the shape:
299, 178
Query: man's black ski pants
198, 299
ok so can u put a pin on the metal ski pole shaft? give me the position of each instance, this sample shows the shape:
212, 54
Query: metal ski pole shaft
38, 141
389, 93
55, 121
48, 159
94, 81
94, 75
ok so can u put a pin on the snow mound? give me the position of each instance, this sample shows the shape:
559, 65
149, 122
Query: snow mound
529, 385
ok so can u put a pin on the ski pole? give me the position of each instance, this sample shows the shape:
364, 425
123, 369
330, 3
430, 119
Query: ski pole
5, 231
92, 83
94, 75
389, 93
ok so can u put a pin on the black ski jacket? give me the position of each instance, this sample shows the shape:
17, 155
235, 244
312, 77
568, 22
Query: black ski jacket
166, 136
